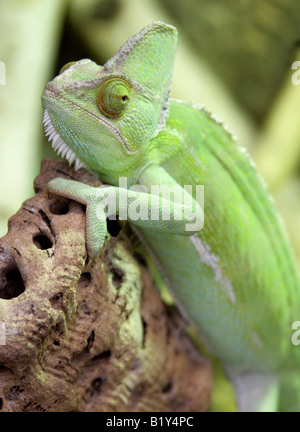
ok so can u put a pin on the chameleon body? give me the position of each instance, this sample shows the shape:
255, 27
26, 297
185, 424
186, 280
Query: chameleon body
235, 277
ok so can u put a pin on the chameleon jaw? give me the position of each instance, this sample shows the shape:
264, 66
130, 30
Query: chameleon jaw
59, 145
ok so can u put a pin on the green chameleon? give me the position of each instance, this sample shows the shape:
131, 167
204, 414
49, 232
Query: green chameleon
233, 275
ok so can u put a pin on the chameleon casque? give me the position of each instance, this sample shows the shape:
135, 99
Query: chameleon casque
235, 278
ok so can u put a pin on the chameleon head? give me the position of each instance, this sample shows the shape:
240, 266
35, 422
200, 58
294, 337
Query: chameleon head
104, 117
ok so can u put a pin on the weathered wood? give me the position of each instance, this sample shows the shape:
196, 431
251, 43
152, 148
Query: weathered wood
81, 337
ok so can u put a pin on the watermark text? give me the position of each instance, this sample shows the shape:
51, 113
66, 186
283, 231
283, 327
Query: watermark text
296, 75
182, 207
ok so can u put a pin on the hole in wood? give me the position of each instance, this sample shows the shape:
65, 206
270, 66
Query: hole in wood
11, 283
42, 242
113, 227
59, 206
117, 275
85, 280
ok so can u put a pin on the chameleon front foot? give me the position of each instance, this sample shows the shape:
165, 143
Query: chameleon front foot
94, 199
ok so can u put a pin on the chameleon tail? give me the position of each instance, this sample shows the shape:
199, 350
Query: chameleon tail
256, 392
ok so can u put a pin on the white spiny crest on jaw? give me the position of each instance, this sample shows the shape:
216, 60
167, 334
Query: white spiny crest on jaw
59, 145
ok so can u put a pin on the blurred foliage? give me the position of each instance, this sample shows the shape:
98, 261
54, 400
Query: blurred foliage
29, 39
234, 56
250, 43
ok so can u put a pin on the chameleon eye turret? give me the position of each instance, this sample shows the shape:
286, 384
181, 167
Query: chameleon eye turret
113, 97
66, 66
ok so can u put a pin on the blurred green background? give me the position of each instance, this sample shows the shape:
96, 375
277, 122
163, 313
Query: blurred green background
234, 56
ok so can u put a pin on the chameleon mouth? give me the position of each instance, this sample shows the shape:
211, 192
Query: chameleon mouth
59, 145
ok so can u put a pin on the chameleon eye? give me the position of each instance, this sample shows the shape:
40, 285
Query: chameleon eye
66, 66
113, 97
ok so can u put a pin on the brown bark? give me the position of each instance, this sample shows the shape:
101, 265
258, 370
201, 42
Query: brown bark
87, 337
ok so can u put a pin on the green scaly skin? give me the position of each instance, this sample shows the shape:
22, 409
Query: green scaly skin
235, 279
